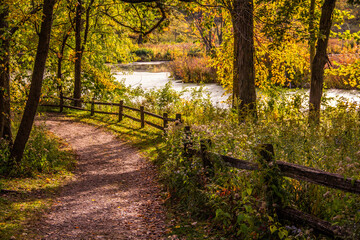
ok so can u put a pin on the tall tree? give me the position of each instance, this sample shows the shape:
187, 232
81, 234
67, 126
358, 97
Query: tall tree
80, 43
5, 122
244, 94
320, 59
27, 120
6, 34
78, 52
312, 32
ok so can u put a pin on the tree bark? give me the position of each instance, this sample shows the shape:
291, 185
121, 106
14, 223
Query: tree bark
60, 54
320, 59
140, 39
312, 33
244, 94
36, 82
78, 53
5, 120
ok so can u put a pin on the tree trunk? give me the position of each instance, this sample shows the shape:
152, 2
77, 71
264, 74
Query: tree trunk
59, 75
244, 94
140, 39
78, 53
5, 120
320, 59
36, 82
312, 32
59, 71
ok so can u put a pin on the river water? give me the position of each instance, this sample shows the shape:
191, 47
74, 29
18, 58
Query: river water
149, 75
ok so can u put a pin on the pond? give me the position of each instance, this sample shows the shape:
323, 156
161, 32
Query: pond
150, 75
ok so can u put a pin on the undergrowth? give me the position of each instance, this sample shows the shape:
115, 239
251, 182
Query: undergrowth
42, 154
226, 203
27, 191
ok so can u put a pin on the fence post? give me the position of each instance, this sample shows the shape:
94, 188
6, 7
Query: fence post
165, 117
61, 101
272, 177
77, 102
178, 119
142, 116
121, 110
205, 144
92, 107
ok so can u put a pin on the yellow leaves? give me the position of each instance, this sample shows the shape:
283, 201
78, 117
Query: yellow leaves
345, 74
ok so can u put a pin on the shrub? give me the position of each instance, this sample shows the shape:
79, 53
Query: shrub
145, 54
233, 201
192, 70
42, 155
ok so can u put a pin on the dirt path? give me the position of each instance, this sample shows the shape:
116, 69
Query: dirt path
113, 195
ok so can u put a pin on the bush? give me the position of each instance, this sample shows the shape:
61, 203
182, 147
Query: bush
168, 52
233, 201
192, 70
145, 54
42, 155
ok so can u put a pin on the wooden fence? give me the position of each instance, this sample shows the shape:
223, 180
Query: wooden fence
266, 151
120, 113
290, 170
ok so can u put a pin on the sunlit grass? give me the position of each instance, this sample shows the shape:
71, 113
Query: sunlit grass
25, 201
28, 190
230, 203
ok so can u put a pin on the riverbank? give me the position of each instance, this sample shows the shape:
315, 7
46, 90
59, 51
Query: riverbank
147, 76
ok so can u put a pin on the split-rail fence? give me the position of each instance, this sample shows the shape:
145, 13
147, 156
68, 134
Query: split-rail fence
266, 152
120, 113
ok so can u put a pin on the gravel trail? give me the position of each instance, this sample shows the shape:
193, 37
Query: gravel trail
114, 194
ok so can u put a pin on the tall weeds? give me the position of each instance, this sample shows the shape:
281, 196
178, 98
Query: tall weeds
234, 200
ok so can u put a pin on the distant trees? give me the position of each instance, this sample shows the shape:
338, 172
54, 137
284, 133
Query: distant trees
208, 24
88, 31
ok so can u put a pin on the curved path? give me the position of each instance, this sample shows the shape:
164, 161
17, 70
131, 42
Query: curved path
113, 195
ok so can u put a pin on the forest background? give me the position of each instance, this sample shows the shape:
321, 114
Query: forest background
67, 48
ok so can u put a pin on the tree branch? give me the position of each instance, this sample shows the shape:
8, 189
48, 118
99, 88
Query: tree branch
34, 11
120, 23
163, 17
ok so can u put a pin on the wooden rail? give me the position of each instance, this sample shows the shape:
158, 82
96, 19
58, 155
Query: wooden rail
120, 113
290, 170
266, 151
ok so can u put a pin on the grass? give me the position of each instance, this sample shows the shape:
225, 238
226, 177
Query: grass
146, 139
25, 201
29, 193
230, 203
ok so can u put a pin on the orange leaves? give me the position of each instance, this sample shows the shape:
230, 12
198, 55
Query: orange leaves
223, 192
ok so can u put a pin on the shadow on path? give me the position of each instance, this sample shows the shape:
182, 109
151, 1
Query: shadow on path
114, 194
